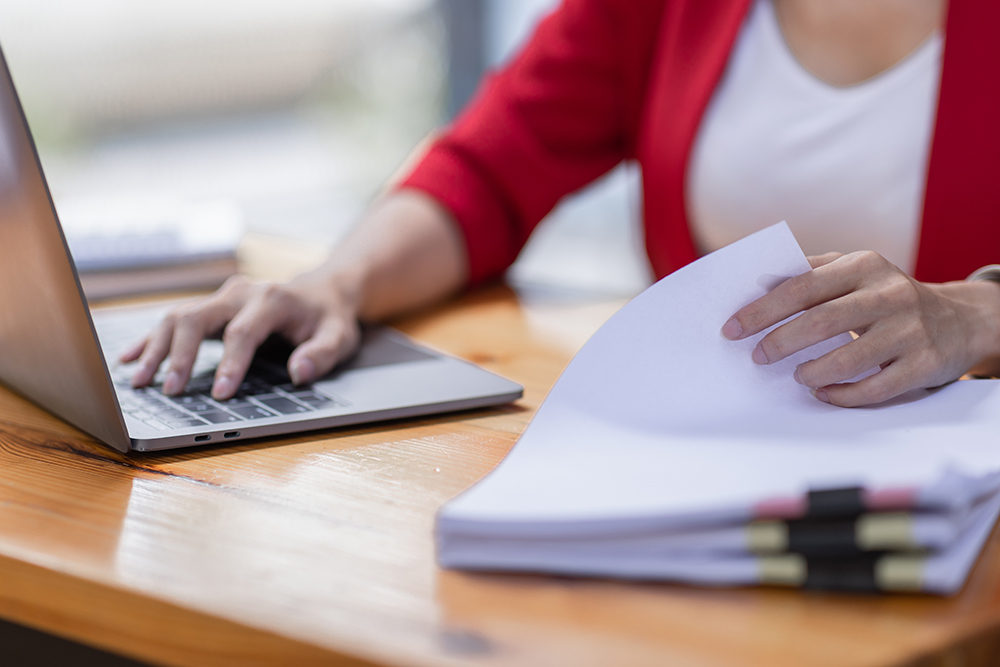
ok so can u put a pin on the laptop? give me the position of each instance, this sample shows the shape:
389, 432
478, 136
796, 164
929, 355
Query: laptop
54, 351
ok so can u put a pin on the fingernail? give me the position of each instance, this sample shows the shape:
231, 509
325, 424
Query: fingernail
732, 329
139, 378
223, 388
173, 384
302, 371
822, 395
141, 375
797, 377
759, 357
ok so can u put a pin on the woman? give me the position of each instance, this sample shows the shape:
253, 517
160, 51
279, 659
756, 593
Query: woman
735, 109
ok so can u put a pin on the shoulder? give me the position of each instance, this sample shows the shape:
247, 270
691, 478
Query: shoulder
631, 31
628, 18
618, 33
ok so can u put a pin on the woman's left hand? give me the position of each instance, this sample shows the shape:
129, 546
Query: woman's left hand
920, 335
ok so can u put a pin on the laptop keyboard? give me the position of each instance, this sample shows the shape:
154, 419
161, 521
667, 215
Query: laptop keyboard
255, 400
266, 392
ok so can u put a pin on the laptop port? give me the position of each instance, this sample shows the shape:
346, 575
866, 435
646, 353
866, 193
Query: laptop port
202, 438
231, 434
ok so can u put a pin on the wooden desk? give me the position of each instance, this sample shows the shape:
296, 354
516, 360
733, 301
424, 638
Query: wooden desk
318, 549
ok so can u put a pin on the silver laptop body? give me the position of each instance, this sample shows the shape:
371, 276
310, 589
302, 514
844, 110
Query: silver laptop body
51, 354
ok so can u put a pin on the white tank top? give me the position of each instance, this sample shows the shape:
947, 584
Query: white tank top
845, 166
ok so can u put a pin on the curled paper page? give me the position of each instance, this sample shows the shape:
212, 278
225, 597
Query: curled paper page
659, 423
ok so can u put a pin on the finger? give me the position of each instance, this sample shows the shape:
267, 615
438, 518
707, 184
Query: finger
155, 351
188, 333
817, 261
893, 380
132, 353
847, 361
219, 308
264, 314
335, 339
190, 328
811, 327
790, 297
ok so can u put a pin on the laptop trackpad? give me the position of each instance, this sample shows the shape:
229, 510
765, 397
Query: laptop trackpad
381, 350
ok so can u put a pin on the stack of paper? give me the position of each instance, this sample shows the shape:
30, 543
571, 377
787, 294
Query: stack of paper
136, 245
664, 452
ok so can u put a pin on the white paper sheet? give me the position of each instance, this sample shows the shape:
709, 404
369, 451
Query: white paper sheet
943, 572
933, 531
661, 422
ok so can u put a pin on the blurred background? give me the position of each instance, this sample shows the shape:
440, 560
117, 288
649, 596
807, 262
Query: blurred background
296, 111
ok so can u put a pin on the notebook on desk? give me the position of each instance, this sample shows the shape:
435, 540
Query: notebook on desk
51, 354
125, 246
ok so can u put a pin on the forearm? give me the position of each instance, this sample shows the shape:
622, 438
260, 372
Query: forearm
407, 252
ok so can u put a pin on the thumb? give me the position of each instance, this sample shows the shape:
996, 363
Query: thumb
335, 339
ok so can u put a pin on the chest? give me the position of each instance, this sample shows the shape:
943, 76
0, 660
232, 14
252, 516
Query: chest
694, 39
845, 166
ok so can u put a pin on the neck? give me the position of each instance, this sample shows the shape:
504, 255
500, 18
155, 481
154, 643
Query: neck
845, 42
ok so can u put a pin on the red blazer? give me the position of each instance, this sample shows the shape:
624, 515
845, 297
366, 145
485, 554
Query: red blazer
607, 80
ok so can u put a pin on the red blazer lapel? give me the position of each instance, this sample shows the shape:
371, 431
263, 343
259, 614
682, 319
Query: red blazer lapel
961, 222
696, 37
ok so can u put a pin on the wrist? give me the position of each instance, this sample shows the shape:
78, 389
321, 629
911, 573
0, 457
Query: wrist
988, 280
981, 299
340, 287
406, 253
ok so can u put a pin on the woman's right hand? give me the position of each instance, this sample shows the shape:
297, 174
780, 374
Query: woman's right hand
312, 312
406, 253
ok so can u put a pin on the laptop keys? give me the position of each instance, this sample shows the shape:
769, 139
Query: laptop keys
157, 424
184, 423
313, 399
252, 388
169, 414
220, 417
254, 400
283, 405
195, 404
252, 412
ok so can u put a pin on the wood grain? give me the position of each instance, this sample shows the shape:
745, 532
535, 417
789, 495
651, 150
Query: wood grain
318, 549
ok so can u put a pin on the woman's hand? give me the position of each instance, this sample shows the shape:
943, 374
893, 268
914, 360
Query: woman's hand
920, 335
312, 313
406, 253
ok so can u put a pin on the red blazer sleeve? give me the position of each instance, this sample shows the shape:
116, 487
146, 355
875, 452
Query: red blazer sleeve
562, 113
